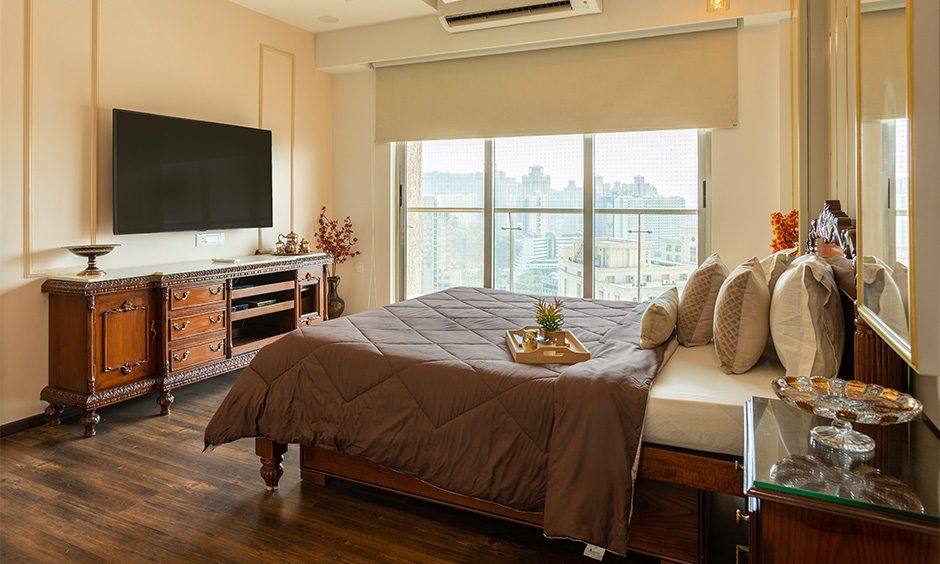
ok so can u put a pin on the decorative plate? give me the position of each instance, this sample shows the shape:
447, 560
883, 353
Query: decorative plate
852, 401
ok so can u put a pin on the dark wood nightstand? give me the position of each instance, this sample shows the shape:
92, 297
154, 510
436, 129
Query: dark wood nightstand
814, 504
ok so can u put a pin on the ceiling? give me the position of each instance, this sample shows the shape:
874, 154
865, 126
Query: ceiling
306, 14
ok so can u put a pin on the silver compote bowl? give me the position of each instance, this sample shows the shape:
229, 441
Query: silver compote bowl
92, 252
846, 402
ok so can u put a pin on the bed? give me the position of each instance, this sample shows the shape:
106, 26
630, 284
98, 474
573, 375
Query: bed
549, 470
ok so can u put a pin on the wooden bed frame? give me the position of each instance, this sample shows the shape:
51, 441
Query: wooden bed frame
670, 517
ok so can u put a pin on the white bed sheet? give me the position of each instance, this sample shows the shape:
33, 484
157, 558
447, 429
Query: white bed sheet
693, 404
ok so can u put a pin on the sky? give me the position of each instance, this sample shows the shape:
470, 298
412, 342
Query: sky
668, 159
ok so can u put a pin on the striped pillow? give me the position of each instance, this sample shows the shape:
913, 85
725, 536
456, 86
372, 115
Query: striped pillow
806, 319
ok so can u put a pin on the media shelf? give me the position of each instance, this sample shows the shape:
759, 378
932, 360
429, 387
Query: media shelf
156, 328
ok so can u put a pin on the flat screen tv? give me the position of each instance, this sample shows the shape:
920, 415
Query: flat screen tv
175, 174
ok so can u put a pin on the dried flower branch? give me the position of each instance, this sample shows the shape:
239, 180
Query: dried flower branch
785, 230
336, 240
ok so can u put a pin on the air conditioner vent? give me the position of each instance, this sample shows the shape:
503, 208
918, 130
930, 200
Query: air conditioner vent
467, 15
545, 7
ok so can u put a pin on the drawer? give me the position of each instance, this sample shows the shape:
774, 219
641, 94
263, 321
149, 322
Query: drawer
309, 275
196, 324
183, 357
212, 292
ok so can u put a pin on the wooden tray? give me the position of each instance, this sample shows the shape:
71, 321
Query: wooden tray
571, 353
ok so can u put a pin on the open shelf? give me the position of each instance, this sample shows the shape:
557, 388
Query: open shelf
262, 289
263, 310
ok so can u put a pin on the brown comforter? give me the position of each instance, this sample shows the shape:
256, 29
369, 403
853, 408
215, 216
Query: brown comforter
428, 387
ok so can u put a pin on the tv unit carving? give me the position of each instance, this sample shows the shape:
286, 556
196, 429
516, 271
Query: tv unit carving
157, 328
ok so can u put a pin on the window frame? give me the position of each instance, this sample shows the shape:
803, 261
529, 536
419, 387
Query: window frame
588, 211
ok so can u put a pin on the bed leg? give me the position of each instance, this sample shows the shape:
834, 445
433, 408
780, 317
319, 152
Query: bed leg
272, 455
315, 477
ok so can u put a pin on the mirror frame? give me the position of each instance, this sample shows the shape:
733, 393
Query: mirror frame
906, 349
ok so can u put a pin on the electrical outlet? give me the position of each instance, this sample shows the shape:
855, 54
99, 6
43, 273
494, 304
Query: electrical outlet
210, 239
360, 267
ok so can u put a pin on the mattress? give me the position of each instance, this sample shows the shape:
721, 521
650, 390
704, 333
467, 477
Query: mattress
693, 404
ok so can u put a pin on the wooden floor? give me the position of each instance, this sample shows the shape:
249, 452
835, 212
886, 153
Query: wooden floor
142, 490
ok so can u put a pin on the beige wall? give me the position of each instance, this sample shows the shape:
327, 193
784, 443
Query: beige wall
190, 59
746, 175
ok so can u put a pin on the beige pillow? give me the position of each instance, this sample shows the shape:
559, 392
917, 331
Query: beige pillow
697, 305
880, 294
806, 319
775, 265
659, 319
742, 318
899, 274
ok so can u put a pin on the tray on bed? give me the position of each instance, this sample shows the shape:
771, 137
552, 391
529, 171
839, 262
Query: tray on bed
570, 353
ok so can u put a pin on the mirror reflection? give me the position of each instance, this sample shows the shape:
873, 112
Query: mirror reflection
884, 162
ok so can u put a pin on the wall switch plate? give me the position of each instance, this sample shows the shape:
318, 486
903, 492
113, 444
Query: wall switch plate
360, 267
210, 239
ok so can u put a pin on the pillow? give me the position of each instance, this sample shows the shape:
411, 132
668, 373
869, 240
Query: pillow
844, 272
697, 306
899, 274
880, 294
806, 319
659, 319
742, 318
775, 265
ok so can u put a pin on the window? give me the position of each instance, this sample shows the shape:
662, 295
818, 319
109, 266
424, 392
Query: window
515, 214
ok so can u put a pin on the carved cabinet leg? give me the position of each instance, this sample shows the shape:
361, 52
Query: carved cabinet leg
54, 411
165, 400
89, 420
272, 455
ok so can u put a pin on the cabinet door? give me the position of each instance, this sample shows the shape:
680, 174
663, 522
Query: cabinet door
127, 327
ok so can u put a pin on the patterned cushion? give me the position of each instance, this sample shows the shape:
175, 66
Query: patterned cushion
697, 306
742, 318
806, 319
659, 319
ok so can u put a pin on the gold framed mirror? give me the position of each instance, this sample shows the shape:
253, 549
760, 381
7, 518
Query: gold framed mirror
885, 191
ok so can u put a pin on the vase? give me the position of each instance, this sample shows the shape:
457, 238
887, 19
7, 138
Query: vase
556, 338
334, 304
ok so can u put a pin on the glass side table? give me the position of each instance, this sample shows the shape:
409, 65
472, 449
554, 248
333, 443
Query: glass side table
809, 503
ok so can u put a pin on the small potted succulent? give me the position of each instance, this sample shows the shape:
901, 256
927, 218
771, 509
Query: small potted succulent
549, 318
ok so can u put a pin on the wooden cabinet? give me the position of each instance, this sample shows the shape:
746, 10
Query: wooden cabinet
134, 332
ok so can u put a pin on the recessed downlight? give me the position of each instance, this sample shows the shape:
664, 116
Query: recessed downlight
328, 19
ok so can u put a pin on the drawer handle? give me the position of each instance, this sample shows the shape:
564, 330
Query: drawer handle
741, 517
215, 292
218, 348
177, 358
216, 320
185, 295
183, 328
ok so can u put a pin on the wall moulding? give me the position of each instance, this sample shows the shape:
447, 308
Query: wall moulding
293, 87
28, 106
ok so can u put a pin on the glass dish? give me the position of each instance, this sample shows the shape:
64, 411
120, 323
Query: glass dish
846, 402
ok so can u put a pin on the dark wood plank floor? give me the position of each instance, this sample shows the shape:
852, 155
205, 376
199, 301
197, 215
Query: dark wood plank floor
142, 490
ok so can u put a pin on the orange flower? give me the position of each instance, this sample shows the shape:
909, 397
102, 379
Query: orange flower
336, 240
785, 229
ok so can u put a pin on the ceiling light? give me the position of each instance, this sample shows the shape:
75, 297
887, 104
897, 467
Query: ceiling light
717, 5
328, 19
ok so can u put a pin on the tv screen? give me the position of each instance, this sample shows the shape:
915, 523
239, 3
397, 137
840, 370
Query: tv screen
174, 174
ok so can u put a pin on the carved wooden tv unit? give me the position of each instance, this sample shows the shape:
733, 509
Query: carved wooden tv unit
156, 328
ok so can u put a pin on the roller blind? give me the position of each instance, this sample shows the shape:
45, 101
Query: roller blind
884, 64
679, 81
